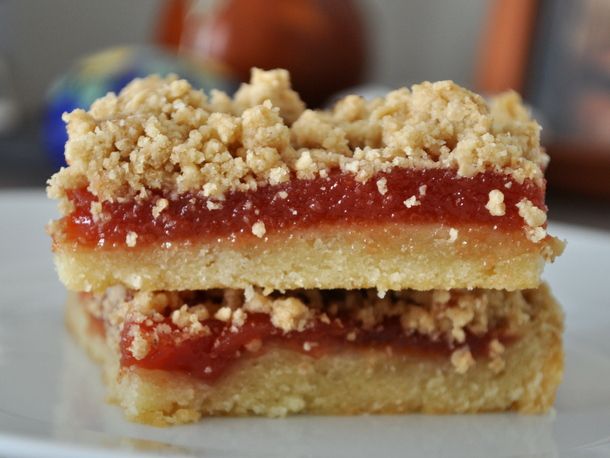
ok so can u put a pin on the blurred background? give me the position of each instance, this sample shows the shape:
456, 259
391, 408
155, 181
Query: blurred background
61, 54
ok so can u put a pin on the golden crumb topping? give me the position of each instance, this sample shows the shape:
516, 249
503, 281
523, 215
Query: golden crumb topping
446, 316
161, 134
495, 205
535, 219
259, 229
412, 202
462, 360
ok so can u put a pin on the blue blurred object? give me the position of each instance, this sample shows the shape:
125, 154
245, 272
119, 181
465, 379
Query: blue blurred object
109, 71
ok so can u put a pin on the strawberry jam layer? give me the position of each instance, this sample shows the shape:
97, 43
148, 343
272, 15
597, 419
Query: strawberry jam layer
208, 357
441, 196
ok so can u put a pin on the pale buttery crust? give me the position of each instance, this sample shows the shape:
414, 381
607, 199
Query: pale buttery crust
384, 256
161, 134
281, 382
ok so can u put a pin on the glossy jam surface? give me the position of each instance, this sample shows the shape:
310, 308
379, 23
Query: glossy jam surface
209, 356
339, 198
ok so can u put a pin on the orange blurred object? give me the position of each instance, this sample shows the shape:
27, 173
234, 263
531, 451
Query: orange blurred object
171, 23
506, 46
321, 42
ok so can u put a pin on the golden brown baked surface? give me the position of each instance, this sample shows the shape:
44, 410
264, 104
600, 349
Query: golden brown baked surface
159, 133
280, 380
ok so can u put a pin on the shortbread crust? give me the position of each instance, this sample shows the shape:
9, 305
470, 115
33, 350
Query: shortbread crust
383, 256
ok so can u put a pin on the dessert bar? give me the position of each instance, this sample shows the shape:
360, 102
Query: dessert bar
427, 188
246, 255
172, 357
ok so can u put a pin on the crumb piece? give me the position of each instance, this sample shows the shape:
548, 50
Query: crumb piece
140, 346
535, 234
223, 314
211, 205
411, 202
495, 204
535, 218
531, 214
462, 360
131, 239
508, 184
290, 314
496, 350
422, 190
382, 186
159, 206
351, 336
453, 234
259, 229
190, 318
305, 163
254, 345
278, 175
239, 318
282, 194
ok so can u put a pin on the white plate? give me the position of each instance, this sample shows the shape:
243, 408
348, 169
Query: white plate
52, 399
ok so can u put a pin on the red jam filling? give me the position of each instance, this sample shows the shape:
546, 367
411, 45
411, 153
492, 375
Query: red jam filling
339, 198
208, 357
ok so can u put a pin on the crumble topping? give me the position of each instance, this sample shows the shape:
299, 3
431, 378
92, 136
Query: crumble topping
131, 239
160, 205
412, 202
382, 186
161, 134
140, 346
495, 204
211, 205
422, 190
259, 229
223, 314
496, 350
462, 360
535, 218
445, 316
190, 318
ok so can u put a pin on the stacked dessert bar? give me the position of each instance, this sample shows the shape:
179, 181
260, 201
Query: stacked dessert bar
248, 256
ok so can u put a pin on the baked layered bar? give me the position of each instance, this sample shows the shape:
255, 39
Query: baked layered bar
172, 357
428, 188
